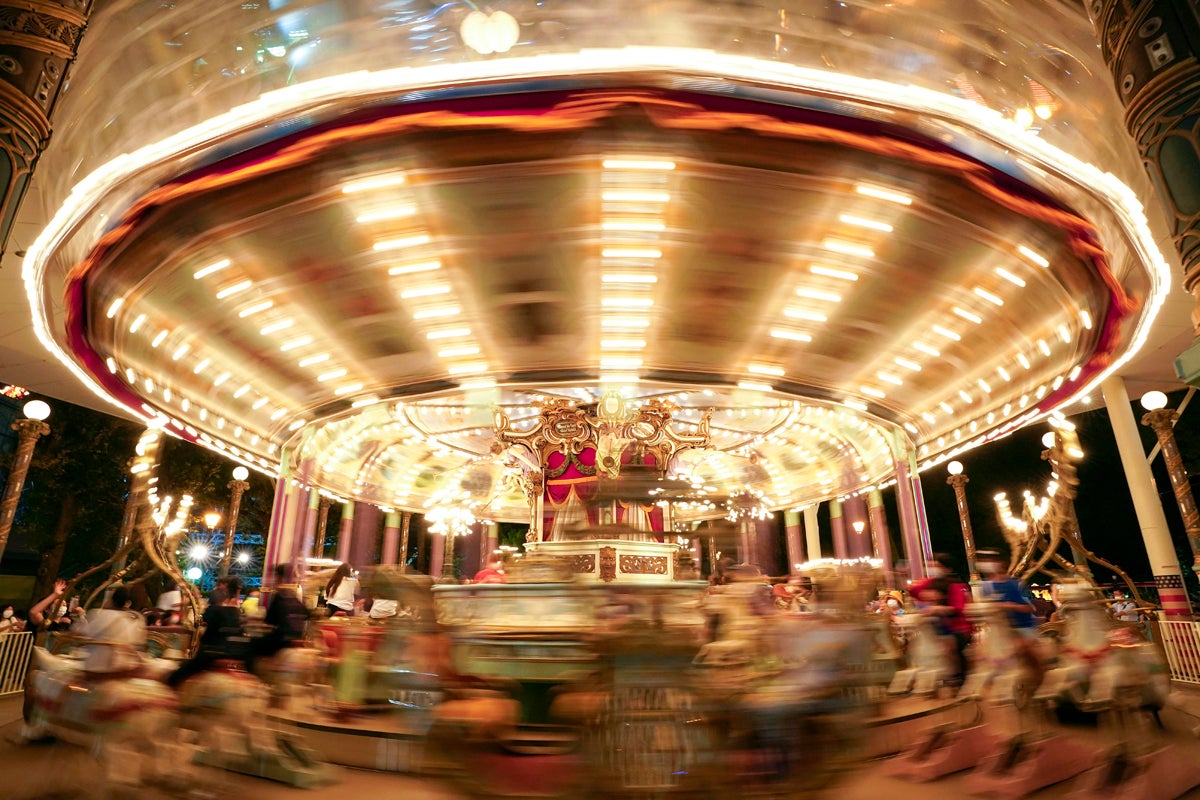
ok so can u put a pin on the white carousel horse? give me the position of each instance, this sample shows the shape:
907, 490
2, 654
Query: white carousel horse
129, 713
1103, 664
929, 659
998, 670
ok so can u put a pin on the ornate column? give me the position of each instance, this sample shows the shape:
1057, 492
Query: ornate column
28, 433
1156, 536
391, 538
837, 525
1152, 49
959, 482
910, 526
1162, 420
877, 516
318, 548
405, 525
345, 531
812, 533
237, 487
38, 41
285, 517
795, 550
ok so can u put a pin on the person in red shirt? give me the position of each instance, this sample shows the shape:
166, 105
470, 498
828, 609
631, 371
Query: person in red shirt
492, 573
944, 596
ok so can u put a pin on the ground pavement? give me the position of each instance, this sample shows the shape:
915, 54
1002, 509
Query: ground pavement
50, 770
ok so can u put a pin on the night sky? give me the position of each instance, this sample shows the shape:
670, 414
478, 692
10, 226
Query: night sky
1105, 509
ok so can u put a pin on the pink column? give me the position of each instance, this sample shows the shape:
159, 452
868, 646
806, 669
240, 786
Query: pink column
345, 532
364, 536
837, 525
308, 531
437, 553
285, 514
909, 526
795, 549
879, 530
391, 538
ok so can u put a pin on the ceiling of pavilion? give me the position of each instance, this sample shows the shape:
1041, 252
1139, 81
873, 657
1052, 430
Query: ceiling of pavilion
365, 291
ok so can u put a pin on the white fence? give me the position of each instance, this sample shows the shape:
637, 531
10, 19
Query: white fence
1181, 641
15, 650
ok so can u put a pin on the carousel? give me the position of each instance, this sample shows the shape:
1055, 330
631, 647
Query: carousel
635, 286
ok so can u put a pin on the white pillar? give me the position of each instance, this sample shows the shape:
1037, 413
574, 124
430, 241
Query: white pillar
1164, 562
812, 533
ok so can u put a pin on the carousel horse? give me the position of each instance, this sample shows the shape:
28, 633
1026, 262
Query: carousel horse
999, 670
227, 710
1103, 665
929, 659
130, 713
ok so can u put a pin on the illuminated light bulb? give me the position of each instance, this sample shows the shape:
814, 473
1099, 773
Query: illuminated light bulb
1057, 383
1035, 257
111, 363
437, 313
930, 418
448, 333
1010, 277
984, 386
944, 406
927, 350
1023, 117
404, 242
765, 369
222, 378
1045, 348
216, 266
458, 352
801, 313
278, 414
622, 344
626, 302
374, 182
425, 291
149, 386
256, 308
241, 391
313, 360
1153, 401
986, 295
302, 341
863, 222
137, 323
871, 391
399, 212
1064, 333
907, 363
755, 386
114, 307
832, 272
297, 425
633, 225
159, 338
1024, 361
234, 288
1074, 373
1085, 319
180, 351
639, 163
857, 405
629, 277
887, 377
847, 248
1043, 111
485, 33
790, 335
947, 333
818, 294
347, 389
468, 369
619, 363
631, 252
276, 327
913, 429
331, 375
362, 402
415, 268
879, 193
1040, 392
634, 196
259, 403
967, 315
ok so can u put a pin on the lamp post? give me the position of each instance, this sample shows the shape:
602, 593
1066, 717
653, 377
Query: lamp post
29, 430
959, 481
1162, 421
236, 486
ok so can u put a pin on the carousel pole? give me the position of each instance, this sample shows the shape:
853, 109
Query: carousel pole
29, 430
237, 486
959, 481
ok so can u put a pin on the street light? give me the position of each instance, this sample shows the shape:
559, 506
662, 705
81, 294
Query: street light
236, 486
959, 481
29, 430
1162, 421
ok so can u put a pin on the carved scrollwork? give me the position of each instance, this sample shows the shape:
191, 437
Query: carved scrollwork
582, 562
643, 565
63, 30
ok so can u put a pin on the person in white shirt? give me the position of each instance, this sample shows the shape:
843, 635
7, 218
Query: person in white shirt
1123, 608
342, 591
116, 636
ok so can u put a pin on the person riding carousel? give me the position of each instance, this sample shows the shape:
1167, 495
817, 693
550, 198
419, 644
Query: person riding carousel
1010, 596
944, 597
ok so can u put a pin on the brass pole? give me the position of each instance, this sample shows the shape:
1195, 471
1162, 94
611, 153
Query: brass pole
28, 433
1162, 422
235, 507
959, 482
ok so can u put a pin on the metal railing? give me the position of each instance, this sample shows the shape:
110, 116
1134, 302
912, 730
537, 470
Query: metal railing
1180, 640
15, 652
